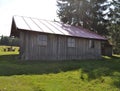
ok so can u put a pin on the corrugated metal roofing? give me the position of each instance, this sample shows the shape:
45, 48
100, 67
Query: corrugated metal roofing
34, 24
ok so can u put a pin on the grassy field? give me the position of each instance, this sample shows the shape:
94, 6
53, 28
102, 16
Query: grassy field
75, 75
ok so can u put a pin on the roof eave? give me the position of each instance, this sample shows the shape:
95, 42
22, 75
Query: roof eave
14, 29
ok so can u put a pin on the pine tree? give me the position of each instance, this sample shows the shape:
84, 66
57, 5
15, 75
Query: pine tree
86, 13
114, 26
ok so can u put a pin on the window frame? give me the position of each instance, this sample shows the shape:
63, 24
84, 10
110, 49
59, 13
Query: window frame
42, 40
91, 44
71, 42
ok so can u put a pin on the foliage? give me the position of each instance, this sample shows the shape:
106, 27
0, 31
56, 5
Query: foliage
114, 28
101, 16
4, 40
86, 13
84, 75
9, 41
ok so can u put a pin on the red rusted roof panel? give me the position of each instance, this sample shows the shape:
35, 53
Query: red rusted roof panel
38, 25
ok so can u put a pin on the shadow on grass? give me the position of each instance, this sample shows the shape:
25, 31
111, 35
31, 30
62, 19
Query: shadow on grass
115, 57
10, 65
9, 57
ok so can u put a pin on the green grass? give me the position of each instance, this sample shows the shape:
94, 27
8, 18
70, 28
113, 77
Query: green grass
8, 52
75, 75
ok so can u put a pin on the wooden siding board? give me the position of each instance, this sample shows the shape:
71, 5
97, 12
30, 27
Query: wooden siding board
35, 47
21, 45
33, 52
61, 47
52, 47
57, 48
27, 46
79, 49
32, 47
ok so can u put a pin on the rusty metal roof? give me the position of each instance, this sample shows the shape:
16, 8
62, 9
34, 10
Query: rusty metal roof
38, 25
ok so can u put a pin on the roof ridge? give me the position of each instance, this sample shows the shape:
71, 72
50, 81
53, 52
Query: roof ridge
36, 18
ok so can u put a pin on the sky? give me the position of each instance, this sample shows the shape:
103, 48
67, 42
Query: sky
42, 9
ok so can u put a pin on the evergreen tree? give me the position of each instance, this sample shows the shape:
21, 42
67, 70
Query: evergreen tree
9, 41
114, 26
4, 40
101, 16
86, 13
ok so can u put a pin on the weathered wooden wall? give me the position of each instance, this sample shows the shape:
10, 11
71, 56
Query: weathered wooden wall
57, 48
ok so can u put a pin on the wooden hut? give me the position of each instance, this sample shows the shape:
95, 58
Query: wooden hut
107, 48
48, 40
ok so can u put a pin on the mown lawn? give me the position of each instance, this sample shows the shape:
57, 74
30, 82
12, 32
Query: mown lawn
75, 75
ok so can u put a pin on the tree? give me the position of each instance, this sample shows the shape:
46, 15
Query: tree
9, 41
4, 40
86, 13
114, 26
14, 42
101, 16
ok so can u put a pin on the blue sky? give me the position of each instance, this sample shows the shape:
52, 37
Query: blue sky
43, 9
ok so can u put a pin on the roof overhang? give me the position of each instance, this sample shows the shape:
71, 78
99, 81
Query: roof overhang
14, 30
20, 23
